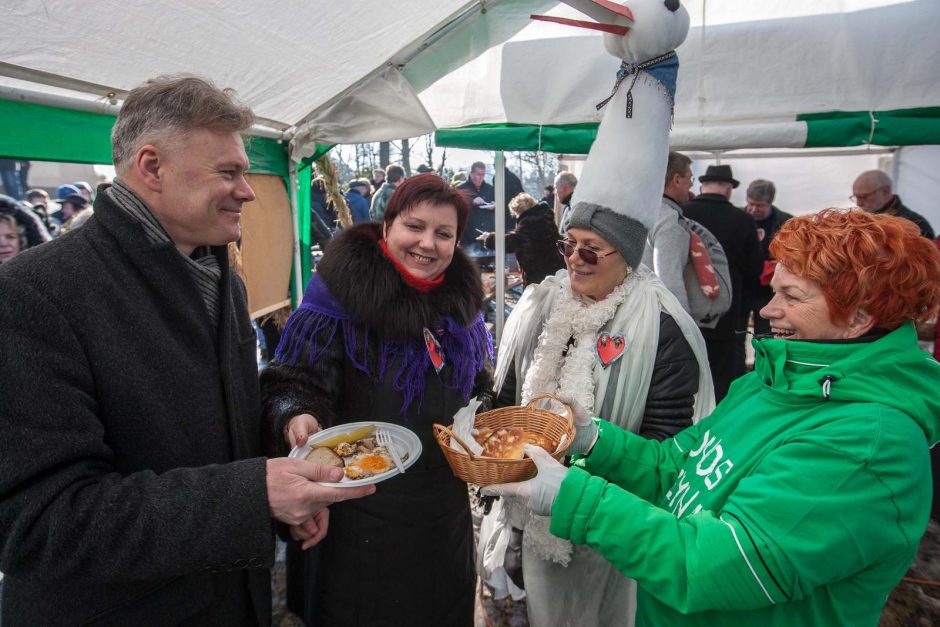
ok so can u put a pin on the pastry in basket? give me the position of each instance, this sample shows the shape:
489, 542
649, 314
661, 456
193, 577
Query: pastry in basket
507, 443
481, 434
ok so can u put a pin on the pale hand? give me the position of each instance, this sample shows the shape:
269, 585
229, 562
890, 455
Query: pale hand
540, 491
311, 531
299, 428
585, 428
294, 495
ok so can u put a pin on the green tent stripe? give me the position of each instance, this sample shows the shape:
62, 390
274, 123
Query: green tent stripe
43, 133
303, 227
899, 127
567, 138
266, 156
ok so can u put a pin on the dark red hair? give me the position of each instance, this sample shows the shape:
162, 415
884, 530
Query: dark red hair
875, 262
428, 187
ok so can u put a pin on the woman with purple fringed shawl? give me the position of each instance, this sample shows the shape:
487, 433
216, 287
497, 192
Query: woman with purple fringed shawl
390, 329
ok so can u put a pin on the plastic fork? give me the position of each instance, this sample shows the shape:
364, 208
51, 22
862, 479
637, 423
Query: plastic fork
384, 438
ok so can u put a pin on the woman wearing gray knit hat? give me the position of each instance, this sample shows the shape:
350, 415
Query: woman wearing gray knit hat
606, 333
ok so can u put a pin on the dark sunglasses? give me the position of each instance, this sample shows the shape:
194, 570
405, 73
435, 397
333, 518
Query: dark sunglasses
565, 248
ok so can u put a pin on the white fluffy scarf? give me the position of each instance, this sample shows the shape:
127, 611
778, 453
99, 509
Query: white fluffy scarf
552, 369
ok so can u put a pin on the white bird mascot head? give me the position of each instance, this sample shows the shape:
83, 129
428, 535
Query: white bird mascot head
620, 189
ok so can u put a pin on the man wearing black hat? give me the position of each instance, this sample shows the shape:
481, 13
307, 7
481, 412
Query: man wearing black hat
737, 233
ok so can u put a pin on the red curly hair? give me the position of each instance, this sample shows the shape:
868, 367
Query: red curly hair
875, 262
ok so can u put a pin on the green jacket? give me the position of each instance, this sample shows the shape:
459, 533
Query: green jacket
380, 201
800, 501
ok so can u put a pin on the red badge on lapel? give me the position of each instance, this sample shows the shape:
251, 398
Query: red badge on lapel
609, 347
434, 350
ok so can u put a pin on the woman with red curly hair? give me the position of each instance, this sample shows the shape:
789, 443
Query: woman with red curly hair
802, 498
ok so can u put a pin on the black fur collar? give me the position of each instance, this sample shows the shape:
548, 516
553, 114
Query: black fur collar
369, 288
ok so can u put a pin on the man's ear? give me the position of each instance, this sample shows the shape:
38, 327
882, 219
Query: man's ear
860, 323
148, 166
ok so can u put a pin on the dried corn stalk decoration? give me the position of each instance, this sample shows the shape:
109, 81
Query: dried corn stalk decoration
331, 180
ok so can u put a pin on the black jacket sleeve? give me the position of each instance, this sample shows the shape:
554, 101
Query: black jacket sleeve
305, 388
671, 398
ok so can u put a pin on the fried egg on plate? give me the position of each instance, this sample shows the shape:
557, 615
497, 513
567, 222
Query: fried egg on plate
365, 465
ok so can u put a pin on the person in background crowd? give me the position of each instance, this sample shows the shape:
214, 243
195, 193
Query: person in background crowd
481, 196
871, 191
769, 219
356, 199
548, 195
10, 177
85, 190
378, 177
565, 183
76, 220
737, 233
424, 168
394, 175
38, 201
802, 498
131, 476
71, 205
512, 188
62, 192
361, 345
322, 217
534, 240
12, 237
33, 228
459, 179
667, 247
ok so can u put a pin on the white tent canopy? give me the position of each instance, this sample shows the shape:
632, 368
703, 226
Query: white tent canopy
326, 72
747, 70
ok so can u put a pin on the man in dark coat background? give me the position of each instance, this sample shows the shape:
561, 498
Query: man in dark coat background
132, 489
769, 219
737, 234
481, 196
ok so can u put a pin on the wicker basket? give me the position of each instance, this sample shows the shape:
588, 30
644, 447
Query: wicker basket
488, 470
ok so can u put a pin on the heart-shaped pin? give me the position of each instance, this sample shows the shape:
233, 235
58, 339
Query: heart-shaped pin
609, 347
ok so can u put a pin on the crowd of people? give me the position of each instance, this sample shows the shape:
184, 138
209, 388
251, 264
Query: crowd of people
143, 467
36, 218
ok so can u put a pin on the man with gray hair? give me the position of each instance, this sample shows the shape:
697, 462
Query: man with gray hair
872, 192
760, 197
565, 183
667, 245
134, 489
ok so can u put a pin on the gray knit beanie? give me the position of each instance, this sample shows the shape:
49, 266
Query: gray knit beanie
624, 233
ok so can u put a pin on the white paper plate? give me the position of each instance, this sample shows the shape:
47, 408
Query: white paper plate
405, 441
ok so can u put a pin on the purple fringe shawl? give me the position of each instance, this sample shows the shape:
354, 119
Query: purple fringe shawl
313, 326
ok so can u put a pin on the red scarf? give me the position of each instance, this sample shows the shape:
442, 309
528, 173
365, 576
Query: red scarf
422, 285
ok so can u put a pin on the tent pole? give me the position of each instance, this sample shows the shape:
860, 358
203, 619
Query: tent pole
499, 179
295, 227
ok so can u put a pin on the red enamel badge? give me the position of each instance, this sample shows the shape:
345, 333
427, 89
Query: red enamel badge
610, 347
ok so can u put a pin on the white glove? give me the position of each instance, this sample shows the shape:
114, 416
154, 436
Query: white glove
585, 428
539, 491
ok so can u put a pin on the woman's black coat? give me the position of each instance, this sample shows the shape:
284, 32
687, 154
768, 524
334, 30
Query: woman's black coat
403, 556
